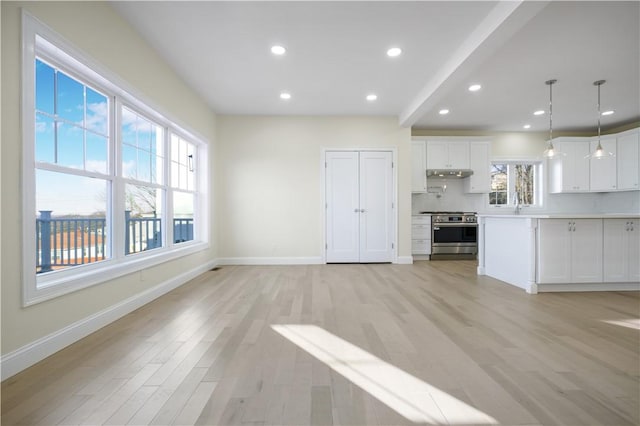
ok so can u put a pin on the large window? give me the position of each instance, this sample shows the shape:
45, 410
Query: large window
515, 183
110, 184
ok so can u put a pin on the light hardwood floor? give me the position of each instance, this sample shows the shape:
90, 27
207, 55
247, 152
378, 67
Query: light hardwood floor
207, 353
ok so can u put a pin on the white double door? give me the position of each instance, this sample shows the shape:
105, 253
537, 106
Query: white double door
359, 206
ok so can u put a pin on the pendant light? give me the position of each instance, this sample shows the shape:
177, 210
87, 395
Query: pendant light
599, 153
550, 151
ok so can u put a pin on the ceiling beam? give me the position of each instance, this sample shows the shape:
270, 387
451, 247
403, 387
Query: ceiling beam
504, 20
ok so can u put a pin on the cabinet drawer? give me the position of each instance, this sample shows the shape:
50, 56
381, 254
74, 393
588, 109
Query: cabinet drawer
421, 246
420, 231
421, 220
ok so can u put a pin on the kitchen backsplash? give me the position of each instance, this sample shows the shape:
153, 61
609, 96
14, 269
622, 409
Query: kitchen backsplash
448, 195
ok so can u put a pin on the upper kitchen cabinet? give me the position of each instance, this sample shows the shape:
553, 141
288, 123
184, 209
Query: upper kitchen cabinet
418, 166
480, 163
443, 154
603, 170
628, 160
569, 171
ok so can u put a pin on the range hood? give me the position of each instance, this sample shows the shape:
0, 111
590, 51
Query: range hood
449, 173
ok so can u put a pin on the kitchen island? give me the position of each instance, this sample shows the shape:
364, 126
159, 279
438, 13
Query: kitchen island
561, 252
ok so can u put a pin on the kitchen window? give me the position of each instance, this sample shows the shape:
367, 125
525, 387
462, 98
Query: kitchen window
516, 183
110, 184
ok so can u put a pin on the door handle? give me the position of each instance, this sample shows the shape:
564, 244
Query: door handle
356, 210
362, 210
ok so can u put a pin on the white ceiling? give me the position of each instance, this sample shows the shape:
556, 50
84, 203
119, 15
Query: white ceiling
336, 55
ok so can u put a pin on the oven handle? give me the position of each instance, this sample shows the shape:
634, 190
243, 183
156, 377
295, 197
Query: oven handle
450, 225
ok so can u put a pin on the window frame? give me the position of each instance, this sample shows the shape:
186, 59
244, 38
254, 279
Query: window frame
38, 41
539, 182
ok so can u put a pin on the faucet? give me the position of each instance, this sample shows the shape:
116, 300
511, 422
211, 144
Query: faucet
516, 203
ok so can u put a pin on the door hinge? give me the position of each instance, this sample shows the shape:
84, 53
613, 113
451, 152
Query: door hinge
392, 245
326, 246
392, 164
393, 205
326, 205
325, 164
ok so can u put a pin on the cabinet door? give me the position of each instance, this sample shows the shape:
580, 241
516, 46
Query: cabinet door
569, 171
554, 251
458, 154
603, 170
628, 160
437, 155
633, 251
418, 166
479, 162
586, 251
615, 255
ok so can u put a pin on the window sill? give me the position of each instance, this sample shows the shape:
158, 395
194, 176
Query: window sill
54, 285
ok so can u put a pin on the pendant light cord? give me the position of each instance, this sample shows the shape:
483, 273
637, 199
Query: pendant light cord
599, 83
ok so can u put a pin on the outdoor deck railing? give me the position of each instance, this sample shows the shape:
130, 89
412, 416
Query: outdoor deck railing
64, 242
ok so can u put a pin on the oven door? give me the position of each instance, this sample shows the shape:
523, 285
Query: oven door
454, 238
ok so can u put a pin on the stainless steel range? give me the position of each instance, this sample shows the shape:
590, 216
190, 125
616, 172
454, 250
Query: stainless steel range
454, 235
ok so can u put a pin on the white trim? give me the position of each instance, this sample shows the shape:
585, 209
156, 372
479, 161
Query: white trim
548, 288
28, 355
404, 260
315, 260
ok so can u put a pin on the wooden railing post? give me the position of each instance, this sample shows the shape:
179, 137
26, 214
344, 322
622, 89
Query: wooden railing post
127, 230
45, 241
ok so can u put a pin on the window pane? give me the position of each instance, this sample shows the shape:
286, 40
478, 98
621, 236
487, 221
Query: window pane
97, 112
183, 206
70, 146
499, 184
143, 215
71, 226
144, 165
44, 87
70, 99
129, 162
45, 147
128, 134
175, 174
524, 181
96, 153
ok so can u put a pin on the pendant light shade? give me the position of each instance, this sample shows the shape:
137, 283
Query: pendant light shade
600, 152
550, 151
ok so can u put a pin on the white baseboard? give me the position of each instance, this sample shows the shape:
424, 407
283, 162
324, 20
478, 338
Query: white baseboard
405, 260
633, 286
26, 356
270, 261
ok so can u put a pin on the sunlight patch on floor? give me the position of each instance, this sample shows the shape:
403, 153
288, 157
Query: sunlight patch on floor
629, 322
407, 395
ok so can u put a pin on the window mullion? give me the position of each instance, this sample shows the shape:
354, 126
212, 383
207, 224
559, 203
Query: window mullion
118, 193
168, 232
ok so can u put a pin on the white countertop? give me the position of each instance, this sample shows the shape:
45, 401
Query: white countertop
563, 216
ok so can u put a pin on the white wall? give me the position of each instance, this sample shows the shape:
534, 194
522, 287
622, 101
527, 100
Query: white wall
268, 174
95, 29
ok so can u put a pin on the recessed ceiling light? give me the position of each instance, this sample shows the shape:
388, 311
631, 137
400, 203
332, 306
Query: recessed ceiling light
539, 112
372, 97
285, 95
608, 112
474, 87
394, 51
278, 50
443, 111
526, 126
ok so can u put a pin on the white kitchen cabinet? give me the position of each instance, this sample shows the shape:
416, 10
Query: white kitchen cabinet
421, 235
418, 166
443, 154
628, 160
569, 171
621, 250
603, 175
480, 163
570, 251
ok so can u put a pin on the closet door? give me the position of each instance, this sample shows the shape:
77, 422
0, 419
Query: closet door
359, 209
343, 207
376, 206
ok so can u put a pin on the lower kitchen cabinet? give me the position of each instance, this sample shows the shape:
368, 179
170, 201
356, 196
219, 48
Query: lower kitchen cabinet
621, 250
421, 235
570, 251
